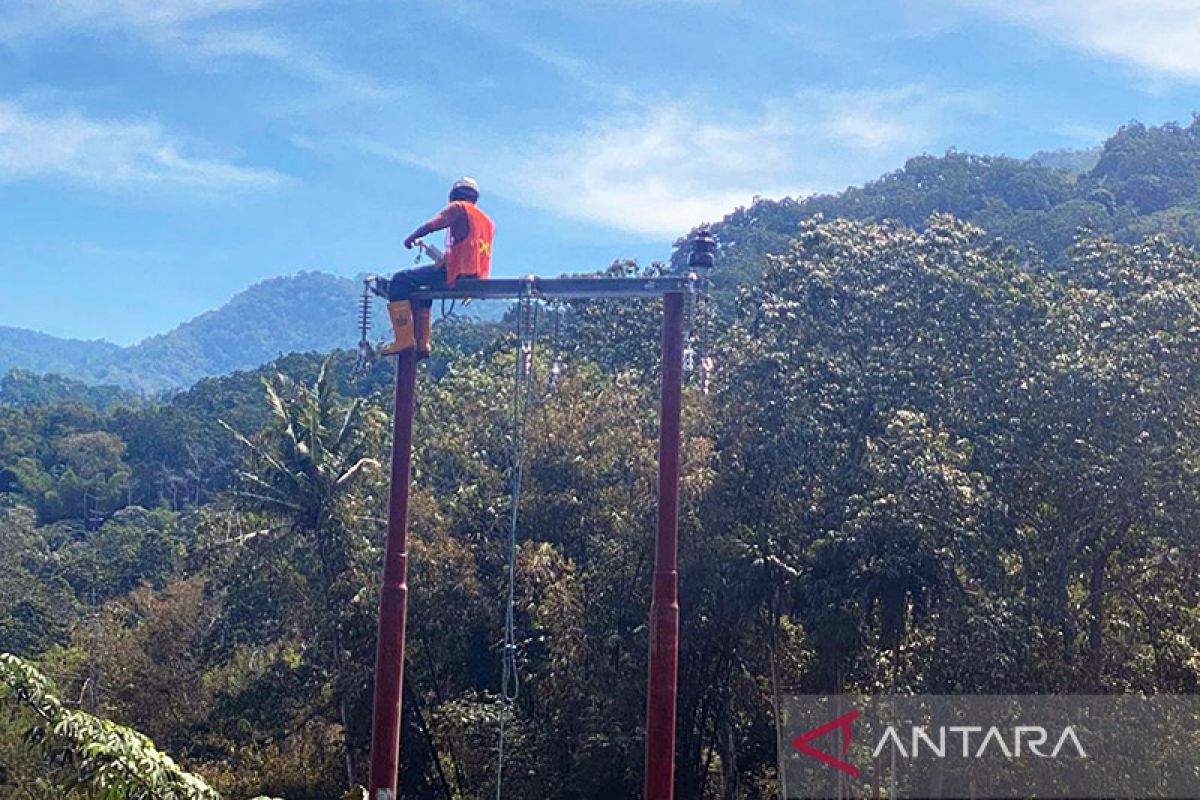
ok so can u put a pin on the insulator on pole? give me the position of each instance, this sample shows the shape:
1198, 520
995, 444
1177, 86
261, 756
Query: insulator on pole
365, 352
703, 255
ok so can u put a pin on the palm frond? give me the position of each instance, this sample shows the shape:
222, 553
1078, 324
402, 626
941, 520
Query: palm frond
359, 466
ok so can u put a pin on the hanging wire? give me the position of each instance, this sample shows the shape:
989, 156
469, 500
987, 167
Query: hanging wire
700, 262
689, 320
705, 313
510, 681
556, 360
774, 618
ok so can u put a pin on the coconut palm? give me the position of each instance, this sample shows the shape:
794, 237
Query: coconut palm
310, 479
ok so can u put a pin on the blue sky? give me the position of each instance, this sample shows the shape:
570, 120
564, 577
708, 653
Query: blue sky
157, 156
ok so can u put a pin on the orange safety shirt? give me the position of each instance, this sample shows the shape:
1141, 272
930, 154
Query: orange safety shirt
469, 234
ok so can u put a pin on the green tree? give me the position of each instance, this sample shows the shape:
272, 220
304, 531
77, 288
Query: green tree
36, 604
303, 577
84, 756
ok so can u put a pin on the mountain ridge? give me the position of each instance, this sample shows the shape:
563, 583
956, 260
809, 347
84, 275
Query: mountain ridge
23, 348
305, 311
1141, 181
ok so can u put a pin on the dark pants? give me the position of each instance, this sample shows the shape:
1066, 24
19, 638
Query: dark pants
407, 281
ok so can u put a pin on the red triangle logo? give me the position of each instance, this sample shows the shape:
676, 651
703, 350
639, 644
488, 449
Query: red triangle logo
800, 743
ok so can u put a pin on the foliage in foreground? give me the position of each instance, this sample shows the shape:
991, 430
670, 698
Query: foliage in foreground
87, 756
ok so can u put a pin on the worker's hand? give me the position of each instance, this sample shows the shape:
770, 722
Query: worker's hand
409, 242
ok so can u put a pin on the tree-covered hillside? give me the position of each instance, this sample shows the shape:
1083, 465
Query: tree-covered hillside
39, 352
307, 312
926, 464
1143, 181
922, 468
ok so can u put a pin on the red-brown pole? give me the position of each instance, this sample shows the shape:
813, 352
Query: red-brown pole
664, 608
393, 596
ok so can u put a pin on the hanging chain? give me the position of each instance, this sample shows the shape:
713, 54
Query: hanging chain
556, 362
689, 321
707, 363
510, 681
700, 262
698, 318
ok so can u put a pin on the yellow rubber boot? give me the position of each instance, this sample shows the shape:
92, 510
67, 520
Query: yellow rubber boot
401, 314
424, 326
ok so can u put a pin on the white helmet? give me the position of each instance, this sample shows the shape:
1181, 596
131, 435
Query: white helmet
465, 184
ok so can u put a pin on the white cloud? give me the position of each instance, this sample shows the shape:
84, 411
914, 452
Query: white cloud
671, 165
339, 84
496, 23
199, 30
1160, 36
108, 154
147, 16
657, 174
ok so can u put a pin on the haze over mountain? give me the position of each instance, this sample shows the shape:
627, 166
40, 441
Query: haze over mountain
1142, 181
305, 312
309, 311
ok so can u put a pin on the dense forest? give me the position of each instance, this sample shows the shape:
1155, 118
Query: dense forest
930, 461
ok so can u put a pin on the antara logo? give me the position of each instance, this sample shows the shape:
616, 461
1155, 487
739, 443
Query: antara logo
843, 723
937, 742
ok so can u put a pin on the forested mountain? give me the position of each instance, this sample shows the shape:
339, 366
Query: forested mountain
922, 465
21, 388
1143, 181
40, 352
1078, 162
307, 312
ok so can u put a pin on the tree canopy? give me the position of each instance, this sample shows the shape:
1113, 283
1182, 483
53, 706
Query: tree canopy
926, 464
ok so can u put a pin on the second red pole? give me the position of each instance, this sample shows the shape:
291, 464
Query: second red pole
664, 607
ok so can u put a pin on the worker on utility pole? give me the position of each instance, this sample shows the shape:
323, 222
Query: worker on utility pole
468, 255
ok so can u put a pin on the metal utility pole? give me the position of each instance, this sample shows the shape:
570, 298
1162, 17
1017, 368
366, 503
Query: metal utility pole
664, 606
393, 596
664, 613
